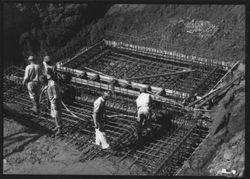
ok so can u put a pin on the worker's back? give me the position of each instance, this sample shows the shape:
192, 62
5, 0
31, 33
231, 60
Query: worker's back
34, 71
99, 106
53, 90
143, 100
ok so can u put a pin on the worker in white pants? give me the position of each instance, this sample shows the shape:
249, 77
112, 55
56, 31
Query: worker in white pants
99, 117
143, 103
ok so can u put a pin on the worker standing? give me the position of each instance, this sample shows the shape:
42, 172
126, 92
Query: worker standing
31, 78
47, 63
99, 119
52, 90
143, 103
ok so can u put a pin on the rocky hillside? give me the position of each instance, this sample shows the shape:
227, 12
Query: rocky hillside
60, 30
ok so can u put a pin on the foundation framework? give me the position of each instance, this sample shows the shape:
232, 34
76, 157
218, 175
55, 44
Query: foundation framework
108, 65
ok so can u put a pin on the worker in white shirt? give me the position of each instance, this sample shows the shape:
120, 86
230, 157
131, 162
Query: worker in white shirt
99, 120
31, 78
143, 102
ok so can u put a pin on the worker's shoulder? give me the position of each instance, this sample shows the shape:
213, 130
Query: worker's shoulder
28, 66
33, 66
145, 95
99, 100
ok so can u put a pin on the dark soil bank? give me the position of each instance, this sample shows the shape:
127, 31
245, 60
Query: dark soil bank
216, 31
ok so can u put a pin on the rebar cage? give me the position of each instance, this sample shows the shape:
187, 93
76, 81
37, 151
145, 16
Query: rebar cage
175, 133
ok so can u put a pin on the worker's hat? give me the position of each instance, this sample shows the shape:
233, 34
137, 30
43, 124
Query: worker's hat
47, 59
31, 58
106, 94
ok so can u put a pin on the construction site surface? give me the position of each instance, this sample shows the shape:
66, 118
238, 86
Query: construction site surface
175, 81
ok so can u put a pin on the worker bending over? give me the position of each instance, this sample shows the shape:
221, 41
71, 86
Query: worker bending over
99, 120
52, 90
31, 78
143, 103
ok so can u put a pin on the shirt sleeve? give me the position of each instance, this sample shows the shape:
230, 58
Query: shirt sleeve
150, 100
97, 105
45, 68
26, 75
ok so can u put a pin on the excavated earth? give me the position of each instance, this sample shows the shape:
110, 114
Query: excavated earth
224, 148
32, 150
29, 149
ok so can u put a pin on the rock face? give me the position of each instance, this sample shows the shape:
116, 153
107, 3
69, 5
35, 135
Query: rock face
231, 156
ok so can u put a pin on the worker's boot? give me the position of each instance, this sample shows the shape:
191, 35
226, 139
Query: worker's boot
58, 131
57, 128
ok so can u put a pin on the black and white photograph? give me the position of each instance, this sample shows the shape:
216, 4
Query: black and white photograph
127, 89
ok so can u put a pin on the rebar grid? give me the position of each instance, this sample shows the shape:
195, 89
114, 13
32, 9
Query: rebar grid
173, 138
120, 130
174, 135
126, 63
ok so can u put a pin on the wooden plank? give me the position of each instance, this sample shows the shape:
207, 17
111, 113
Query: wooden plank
122, 82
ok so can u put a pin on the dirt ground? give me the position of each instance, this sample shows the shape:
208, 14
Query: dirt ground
31, 151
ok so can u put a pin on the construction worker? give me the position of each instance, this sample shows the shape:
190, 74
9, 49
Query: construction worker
47, 63
99, 119
31, 78
52, 90
143, 103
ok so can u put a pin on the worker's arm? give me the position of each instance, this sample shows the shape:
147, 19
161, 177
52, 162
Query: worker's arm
43, 90
26, 75
95, 121
104, 110
150, 101
97, 105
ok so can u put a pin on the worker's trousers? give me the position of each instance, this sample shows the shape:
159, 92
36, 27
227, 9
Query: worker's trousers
56, 111
34, 91
100, 137
143, 118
